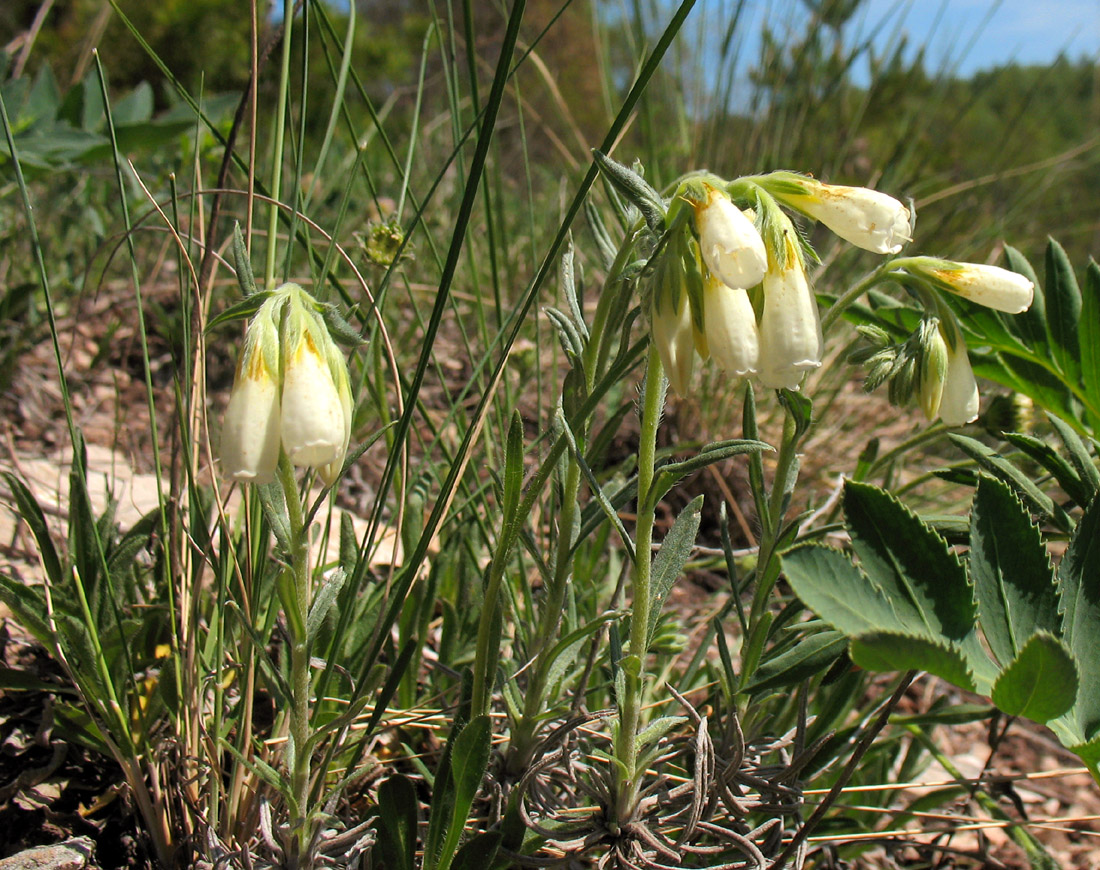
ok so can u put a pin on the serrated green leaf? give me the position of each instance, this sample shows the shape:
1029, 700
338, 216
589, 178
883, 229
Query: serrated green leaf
669, 562
1040, 683
1011, 571
910, 563
895, 651
1079, 581
837, 591
1063, 309
809, 657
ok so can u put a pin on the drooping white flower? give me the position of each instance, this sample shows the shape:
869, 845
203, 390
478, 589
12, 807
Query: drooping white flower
250, 428
867, 218
339, 370
990, 286
313, 419
670, 329
729, 323
790, 328
959, 401
729, 242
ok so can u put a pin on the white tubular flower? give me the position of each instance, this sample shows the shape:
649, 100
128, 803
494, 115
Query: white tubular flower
790, 329
867, 218
731, 247
990, 286
339, 369
959, 401
313, 419
671, 331
250, 429
730, 327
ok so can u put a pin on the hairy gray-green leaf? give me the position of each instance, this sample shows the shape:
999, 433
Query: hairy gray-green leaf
671, 558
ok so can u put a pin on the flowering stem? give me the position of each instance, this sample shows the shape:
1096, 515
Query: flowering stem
299, 662
849, 296
772, 526
627, 777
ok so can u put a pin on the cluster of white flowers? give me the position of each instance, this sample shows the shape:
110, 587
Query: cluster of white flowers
291, 391
741, 250
785, 341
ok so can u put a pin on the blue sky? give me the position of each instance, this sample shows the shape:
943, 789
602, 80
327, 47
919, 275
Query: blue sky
985, 34
968, 35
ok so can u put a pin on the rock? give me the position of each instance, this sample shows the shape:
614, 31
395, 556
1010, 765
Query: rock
74, 854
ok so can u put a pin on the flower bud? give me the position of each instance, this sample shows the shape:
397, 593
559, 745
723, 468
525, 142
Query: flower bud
933, 369
729, 323
959, 402
671, 331
731, 247
250, 428
867, 218
313, 419
790, 329
990, 286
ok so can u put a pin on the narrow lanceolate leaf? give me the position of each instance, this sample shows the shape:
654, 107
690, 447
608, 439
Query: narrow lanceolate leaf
1079, 579
1088, 336
397, 811
1063, 304
1011, 572
992, 462
241, 263
513, 468
1031, 325
910, 563
837, 591
805, 659
671, 558
1079, 454
891, 651
468, 764
1040, 683
1050, 459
